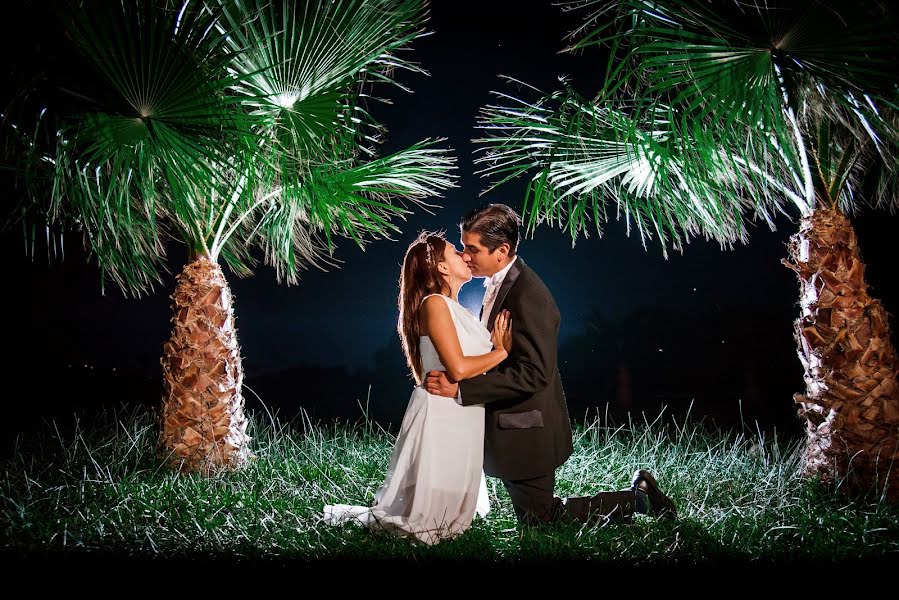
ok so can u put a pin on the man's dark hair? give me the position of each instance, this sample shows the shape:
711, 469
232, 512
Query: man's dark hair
496, 224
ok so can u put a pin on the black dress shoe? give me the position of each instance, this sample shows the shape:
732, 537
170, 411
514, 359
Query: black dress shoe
660, 505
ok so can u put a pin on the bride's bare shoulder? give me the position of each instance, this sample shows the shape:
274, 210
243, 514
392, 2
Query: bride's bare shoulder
434, 304
433, 307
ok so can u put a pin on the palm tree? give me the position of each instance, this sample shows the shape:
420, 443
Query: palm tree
228, 126
712, 112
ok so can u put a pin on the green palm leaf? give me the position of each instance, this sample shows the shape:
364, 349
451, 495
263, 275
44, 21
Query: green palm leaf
301, 67
588, 161
708, 110
152, 141
297, 223
218, 122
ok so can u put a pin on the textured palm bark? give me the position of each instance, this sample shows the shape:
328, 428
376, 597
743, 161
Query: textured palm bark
851, 403
203, 426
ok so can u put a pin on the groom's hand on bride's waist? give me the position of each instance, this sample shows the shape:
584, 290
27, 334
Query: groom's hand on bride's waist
440, 384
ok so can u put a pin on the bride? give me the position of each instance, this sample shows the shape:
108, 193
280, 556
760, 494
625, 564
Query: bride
435, 482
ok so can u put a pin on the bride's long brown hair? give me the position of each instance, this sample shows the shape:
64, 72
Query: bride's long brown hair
418, 278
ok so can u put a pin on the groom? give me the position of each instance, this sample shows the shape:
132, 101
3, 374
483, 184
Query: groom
528, 432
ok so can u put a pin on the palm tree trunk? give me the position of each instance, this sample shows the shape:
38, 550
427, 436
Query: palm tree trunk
851, 403
203, 426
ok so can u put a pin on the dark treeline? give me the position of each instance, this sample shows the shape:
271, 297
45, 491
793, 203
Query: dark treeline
739, 365
736, 361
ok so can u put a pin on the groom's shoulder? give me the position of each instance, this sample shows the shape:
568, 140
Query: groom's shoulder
531, 281
527, 272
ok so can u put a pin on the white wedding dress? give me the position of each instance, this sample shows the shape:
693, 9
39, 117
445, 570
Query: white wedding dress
435, 482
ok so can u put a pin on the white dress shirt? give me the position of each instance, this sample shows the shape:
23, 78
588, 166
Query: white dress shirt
493, 284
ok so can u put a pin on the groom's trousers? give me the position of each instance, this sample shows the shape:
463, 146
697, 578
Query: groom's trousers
535, 503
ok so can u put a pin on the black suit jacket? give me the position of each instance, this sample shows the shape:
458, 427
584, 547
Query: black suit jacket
527, 432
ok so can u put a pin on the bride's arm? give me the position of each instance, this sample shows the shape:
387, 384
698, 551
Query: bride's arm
436, 315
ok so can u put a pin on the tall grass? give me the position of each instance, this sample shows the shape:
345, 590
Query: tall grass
99, 487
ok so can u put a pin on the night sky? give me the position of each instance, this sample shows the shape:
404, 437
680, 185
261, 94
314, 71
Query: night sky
709, 325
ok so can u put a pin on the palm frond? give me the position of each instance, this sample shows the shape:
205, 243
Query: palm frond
158, 135
304, 70
301, 66
855, 147
587, 161
115, 207
708, 111
296, 225
227, 125
747, 64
